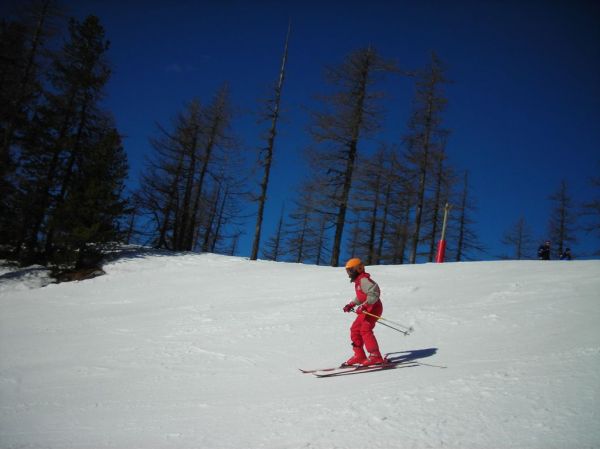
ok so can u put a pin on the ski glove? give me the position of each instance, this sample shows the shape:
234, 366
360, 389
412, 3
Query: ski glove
349, 307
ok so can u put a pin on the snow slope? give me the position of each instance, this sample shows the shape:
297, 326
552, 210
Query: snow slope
202, 351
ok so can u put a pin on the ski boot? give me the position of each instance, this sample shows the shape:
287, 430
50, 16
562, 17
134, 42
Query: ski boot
358, 358
374, 359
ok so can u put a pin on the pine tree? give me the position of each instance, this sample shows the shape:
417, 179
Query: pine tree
58, 145
23, 57
22, 44
88, 219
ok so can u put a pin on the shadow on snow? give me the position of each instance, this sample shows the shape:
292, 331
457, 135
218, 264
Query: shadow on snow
410, 355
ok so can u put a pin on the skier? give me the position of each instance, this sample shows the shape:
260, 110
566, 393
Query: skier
544, 251
566, 254
367, 299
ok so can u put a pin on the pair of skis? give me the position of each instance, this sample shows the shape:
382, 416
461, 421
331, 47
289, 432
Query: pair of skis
345, 370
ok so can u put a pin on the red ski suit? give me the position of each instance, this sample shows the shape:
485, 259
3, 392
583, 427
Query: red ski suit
367, 295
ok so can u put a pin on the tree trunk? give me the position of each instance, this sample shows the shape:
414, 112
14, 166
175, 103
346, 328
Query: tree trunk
262, 199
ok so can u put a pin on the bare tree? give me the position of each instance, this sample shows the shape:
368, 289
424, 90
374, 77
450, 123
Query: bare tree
178, 179
217, 137
378, 183
275, 243
424, 139
563, 219
520, 239
443, 178
228, 215
398, 198
591, 213
465, 236
166, 185
354, 240
306, 230
267, 159
353, 115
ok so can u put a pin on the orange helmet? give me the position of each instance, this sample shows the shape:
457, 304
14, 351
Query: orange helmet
354, 267
355, 262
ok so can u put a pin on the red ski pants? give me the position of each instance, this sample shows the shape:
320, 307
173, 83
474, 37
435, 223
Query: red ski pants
361, 331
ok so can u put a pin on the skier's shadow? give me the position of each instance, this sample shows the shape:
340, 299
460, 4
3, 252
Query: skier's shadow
409, 355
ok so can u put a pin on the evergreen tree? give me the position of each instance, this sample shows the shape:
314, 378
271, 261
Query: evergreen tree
23, 50
66, 134
88, 219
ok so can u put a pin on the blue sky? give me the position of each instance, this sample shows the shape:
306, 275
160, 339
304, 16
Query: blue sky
523, 108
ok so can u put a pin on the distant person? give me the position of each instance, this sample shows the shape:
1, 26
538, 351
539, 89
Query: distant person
544, 251
566, 254
367, 300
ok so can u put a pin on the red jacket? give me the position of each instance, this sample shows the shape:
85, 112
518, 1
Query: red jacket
367, 290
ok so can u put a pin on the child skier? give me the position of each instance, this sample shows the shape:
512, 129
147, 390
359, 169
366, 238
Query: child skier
367, 299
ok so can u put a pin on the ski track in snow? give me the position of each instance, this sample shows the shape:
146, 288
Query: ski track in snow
189, 351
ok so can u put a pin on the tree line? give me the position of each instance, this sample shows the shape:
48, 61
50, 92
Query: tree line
63, 165
567, 218
385, 205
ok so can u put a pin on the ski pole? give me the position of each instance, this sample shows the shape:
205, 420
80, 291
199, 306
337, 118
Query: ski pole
396, 329
405, 332
408, 329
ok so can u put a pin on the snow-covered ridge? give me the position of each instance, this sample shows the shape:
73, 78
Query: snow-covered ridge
14, 278
189, 351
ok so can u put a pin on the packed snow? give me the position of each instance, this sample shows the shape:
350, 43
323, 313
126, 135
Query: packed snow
203, 351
